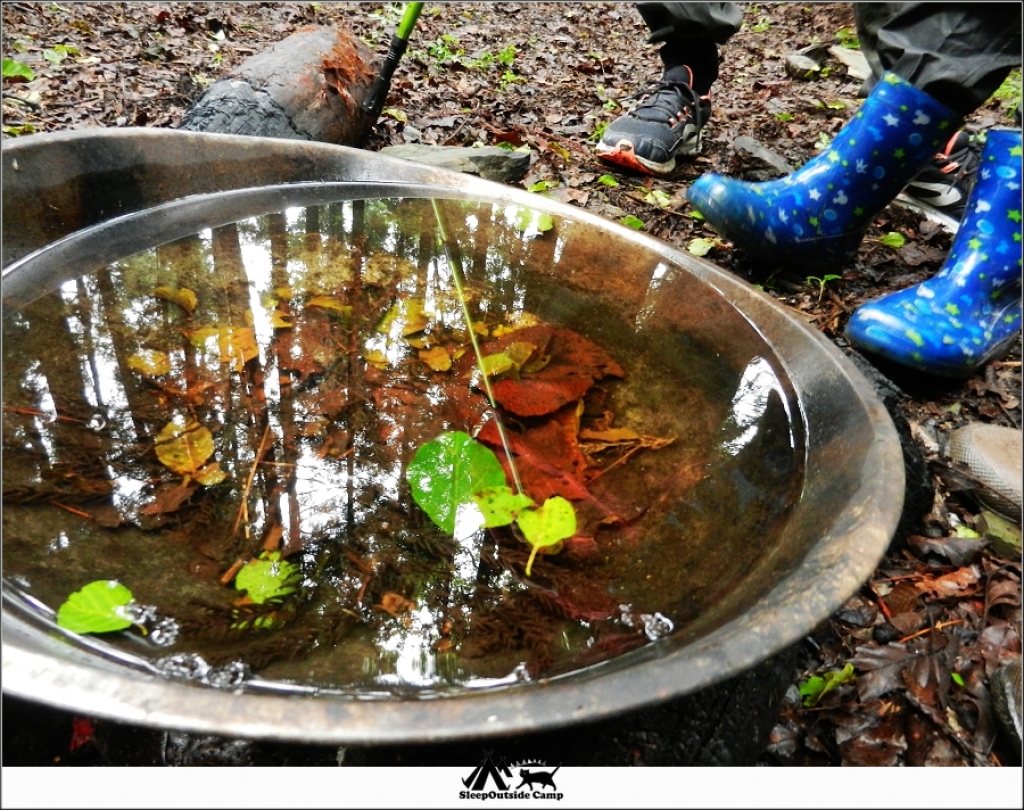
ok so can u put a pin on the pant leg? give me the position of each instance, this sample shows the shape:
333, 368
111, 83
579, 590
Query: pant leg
676, 22
957, 53
691, 33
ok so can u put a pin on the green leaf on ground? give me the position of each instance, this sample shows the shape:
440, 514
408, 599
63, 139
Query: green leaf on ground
13, 69
701, 247
96, 608
633, 222
893, 240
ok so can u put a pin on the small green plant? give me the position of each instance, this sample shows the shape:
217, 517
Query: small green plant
768, 284
821, 282
23, 129
507, 55
445, 49
762, 25
1009, 93
598, 133
848, 38
509, 77
816, 687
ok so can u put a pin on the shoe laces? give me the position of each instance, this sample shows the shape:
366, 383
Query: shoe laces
959, 160
669, 99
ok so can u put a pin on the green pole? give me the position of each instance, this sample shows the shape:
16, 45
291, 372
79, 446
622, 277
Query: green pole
374, 102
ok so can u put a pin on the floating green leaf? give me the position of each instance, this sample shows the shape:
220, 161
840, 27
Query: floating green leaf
96, 608
446, 474
500, 505
816, 687
268, 577
547, 526
528, 218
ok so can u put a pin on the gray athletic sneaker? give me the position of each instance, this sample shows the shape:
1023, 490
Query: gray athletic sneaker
666, 123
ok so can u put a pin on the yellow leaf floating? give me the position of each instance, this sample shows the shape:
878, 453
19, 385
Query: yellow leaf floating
408, 315
183, 297
280, 320
437, 358
210, 475
235, 344
329, 302
150, 363
184, 448
376, 358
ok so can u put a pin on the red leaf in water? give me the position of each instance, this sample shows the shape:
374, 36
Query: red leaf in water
168, 498
585, 602
546, 457
574, 365
530, 396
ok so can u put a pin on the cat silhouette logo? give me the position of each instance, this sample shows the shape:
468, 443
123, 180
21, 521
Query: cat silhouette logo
492, 780
533, 778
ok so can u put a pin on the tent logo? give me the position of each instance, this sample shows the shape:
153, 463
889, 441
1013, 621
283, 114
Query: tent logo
493, 780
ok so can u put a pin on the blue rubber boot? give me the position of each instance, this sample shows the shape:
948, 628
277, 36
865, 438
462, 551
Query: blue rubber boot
815, 218
970, 311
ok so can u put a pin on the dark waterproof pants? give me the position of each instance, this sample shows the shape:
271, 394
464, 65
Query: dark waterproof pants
957, 53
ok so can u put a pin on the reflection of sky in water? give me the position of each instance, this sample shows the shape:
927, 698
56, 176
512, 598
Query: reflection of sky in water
316, 502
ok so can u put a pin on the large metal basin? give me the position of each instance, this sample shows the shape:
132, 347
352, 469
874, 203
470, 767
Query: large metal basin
837, 530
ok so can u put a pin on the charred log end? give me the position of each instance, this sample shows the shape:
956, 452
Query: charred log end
309, 86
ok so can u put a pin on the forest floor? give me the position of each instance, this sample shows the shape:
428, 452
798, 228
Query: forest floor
943, 610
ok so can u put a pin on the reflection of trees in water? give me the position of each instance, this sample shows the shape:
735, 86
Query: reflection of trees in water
313, 437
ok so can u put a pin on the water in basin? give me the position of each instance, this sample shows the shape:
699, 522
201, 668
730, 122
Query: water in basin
257, 389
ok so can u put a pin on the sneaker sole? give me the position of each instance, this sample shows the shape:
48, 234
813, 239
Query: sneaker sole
948, 223
623, 154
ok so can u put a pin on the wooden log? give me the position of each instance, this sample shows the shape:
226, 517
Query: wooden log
310, 86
